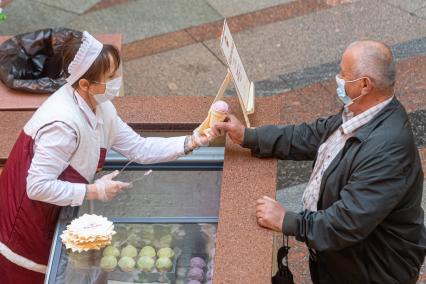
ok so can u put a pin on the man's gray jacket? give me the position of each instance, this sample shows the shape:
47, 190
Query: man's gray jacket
369, 224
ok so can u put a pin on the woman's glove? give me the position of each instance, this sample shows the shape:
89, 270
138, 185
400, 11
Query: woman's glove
107, 188
198, 139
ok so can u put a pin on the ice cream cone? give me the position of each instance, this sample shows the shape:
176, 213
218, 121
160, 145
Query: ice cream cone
216, 116
217, 113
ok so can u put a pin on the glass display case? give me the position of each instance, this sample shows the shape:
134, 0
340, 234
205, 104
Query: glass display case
165, 225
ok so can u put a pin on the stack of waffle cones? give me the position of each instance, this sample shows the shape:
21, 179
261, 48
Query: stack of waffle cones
89, 232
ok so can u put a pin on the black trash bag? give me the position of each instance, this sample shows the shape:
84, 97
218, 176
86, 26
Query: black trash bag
283, 275
32, 62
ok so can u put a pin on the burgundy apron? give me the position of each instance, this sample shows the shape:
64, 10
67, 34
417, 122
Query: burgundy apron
27, 226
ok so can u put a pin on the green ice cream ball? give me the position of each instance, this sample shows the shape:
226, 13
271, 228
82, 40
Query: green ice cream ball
129, 251
164, 264
147, 251
166, 252
126, 263
111, 250
108, 263
146, 263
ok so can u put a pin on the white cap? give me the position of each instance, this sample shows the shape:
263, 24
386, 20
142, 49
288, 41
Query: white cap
89, 50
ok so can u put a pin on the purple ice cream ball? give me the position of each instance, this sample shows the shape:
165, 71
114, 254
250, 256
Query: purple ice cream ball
196, 273
209, 282
197, 262
194, 282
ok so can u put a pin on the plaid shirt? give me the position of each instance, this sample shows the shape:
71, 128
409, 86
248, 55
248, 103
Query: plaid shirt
331, 147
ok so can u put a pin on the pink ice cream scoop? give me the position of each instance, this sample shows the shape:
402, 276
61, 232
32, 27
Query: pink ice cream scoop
220, 106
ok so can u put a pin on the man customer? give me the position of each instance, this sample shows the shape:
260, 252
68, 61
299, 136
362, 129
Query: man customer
362, 218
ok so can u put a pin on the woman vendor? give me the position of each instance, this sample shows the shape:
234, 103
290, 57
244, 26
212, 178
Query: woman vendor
56, 156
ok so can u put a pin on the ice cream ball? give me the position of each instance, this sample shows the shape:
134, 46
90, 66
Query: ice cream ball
145, 263
108, 263
166, 252
126, 264
111, 250
220, 106
194, 282
197, 262
129, 251
196, 273
147, 251
164, 264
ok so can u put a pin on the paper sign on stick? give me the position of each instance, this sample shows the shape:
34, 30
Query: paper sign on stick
244, 87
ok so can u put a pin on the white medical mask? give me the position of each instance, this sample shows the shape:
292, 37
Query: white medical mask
341, 92
112, 89
100, 98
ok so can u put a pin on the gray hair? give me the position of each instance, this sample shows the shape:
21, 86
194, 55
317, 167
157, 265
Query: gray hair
375, 60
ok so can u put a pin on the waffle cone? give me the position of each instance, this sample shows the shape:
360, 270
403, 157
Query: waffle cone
216, 116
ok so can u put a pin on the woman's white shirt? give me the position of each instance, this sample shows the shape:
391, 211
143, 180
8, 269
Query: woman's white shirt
55, 144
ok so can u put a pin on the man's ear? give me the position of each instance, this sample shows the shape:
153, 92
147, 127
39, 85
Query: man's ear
367, 86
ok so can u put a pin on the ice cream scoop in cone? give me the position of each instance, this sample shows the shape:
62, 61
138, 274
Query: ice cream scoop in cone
217, 113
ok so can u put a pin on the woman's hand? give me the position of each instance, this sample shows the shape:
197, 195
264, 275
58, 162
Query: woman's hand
198, 139
105, 188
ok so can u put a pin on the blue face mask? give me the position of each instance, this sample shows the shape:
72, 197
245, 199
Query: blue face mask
341, 92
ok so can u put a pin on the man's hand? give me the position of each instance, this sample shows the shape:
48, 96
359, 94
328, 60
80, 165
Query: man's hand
233, 127
269, 213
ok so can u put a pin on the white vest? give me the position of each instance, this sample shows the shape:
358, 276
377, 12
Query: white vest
62, 106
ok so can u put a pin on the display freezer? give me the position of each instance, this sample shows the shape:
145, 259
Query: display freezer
176, 207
